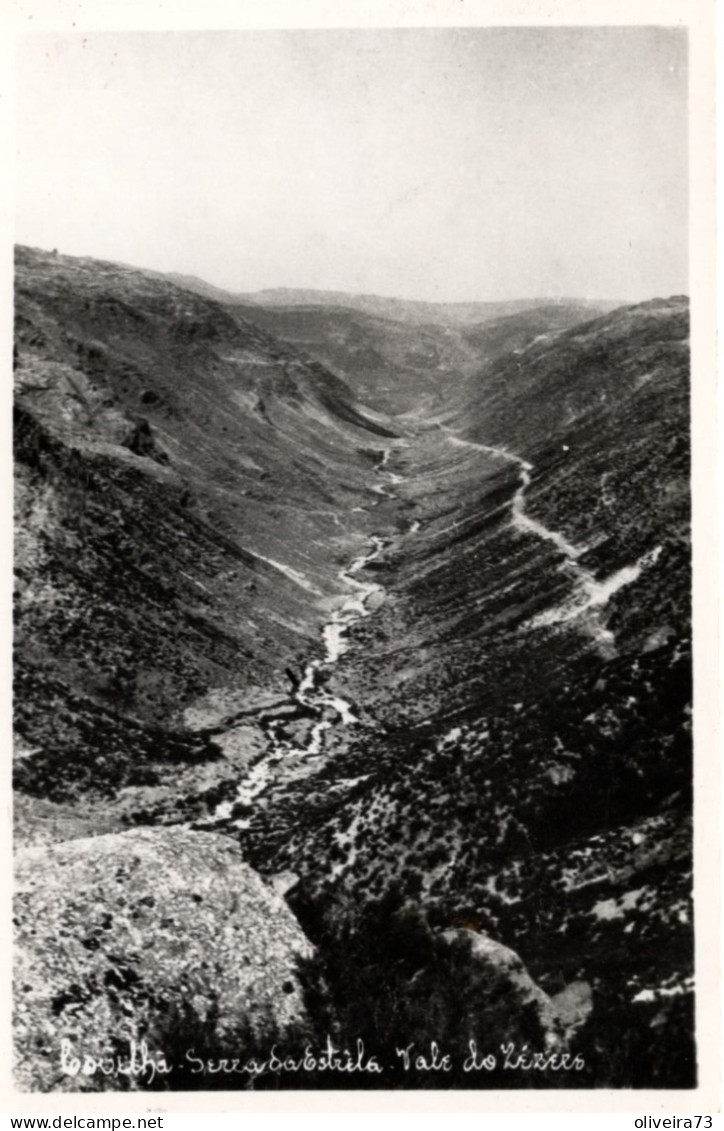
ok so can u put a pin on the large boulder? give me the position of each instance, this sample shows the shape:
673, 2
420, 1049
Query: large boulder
162, 936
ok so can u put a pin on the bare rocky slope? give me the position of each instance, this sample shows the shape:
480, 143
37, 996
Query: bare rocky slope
148, 934
417, 641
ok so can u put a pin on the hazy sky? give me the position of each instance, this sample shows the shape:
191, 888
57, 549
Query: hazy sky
437, 164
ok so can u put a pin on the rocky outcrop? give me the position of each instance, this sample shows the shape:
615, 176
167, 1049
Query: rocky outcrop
501, 996
159, 936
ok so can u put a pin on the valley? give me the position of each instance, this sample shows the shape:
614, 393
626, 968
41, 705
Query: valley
387, 608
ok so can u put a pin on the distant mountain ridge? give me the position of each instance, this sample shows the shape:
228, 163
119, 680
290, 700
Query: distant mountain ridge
414, 311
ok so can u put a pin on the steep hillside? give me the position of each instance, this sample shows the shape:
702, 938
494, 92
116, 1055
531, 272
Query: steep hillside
185, 491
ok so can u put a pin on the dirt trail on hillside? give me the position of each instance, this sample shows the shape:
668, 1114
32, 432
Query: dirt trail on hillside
590, 595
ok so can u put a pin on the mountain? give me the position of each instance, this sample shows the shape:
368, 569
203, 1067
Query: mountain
402, 613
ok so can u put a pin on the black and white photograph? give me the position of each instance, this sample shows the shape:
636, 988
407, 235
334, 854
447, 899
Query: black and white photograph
354, 735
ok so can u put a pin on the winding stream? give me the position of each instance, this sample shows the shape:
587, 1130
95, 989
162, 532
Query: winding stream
284, 757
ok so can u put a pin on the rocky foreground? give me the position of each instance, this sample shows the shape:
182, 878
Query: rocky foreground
353, 715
